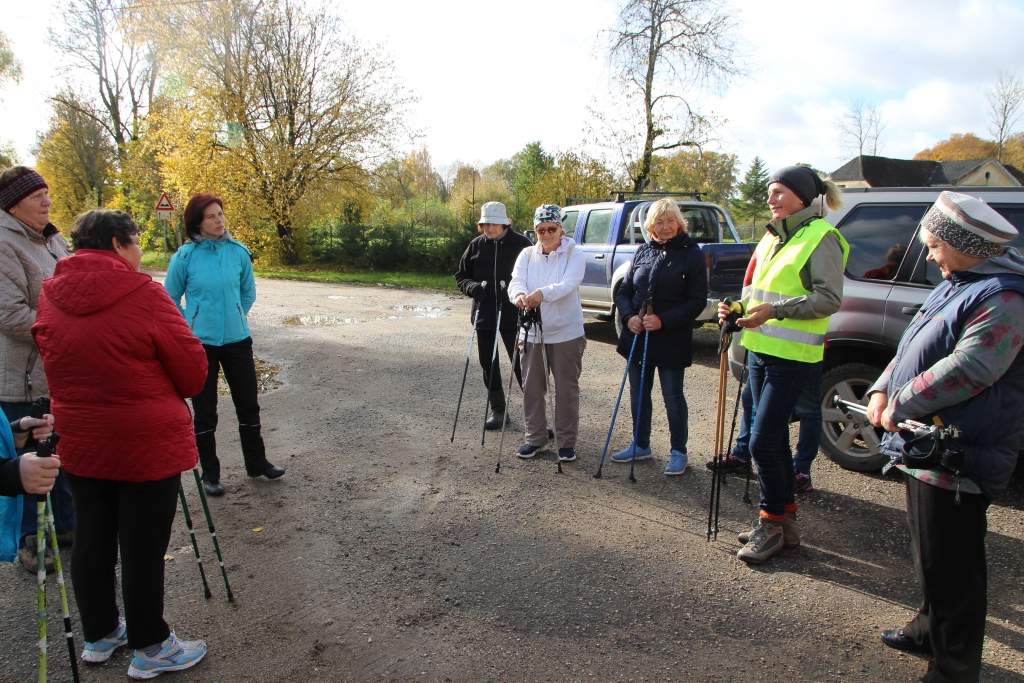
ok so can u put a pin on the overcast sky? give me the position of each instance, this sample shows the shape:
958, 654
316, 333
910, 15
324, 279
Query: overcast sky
490, 76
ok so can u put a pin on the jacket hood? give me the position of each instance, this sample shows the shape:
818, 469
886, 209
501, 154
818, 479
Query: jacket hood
92, 280
204, 243
785, 227
1010, 262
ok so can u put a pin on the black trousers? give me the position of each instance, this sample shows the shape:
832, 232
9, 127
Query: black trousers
485, 345
136, 518
947, 541
239, 367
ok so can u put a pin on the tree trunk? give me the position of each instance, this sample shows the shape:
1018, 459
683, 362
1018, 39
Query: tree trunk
288, 249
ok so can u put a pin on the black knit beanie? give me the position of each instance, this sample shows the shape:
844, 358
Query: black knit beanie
805, 183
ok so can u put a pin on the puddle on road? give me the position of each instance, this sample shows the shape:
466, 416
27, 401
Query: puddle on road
420, 311
266, 378
318, 320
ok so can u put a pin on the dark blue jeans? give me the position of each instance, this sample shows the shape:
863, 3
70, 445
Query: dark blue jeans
807, 411
775, 384
675, 404
60, 496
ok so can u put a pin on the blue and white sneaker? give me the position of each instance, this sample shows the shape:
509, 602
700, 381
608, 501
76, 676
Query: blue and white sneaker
172, 655
676, 464
104, 648
626, 454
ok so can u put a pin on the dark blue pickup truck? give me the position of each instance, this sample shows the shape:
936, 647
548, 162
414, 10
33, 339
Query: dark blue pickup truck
609, 233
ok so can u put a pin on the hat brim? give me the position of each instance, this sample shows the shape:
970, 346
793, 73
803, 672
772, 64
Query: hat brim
507, 221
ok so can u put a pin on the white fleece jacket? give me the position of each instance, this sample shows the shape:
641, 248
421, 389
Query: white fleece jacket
558, 276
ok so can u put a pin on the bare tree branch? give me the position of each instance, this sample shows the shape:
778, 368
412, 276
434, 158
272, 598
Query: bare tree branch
1004, 100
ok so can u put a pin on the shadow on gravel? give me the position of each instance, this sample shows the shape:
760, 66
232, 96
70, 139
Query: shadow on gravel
847, 541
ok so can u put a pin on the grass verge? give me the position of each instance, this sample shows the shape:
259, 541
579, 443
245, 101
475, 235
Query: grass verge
430, 281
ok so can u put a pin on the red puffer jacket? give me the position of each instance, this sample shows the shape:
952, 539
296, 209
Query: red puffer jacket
120, 360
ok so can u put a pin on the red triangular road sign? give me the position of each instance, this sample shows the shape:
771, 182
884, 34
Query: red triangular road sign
164, 203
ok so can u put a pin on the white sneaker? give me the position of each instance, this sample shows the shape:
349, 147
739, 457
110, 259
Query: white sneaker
104, 648
174, 655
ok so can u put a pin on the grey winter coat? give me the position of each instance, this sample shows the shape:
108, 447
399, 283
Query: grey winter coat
26, 259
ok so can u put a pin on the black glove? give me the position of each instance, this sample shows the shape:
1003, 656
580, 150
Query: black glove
478, 291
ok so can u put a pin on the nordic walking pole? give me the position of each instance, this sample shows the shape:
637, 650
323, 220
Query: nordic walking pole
640, 394
213, 532
192, 536
494, 360
727, 328
41, 582
615, 410
522, 324
69, 635
45, 450
465, 370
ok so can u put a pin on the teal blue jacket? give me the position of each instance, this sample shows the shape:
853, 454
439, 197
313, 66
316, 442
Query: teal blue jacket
10, 506
215, 277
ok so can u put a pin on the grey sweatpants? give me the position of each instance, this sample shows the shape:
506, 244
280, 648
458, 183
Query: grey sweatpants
566, 363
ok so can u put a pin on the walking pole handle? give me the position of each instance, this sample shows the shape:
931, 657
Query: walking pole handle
735, 312
48, 446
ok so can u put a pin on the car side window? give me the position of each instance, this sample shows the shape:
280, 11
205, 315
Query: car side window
569, 219
702, 224
599, 223
879, 236
925, 271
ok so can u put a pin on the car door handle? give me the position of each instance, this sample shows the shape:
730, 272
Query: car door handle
910, 310
599, 257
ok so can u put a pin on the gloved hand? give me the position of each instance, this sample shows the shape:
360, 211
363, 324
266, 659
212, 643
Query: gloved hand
478, 291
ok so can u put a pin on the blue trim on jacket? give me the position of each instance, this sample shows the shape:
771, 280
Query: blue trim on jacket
216, 279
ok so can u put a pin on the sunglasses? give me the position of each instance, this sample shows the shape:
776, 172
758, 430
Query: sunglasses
546, 231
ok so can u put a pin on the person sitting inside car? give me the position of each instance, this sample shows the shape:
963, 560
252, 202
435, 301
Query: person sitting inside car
887, 271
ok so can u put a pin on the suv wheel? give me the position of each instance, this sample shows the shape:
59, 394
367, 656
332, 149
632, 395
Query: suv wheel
853, 445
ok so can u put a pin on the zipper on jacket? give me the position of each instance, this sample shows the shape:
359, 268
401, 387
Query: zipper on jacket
497, 288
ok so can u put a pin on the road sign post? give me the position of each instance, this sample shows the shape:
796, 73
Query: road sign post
164, 213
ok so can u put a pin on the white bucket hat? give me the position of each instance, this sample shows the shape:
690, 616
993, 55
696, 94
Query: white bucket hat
494, 212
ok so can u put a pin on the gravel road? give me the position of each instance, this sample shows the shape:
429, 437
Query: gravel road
389, 553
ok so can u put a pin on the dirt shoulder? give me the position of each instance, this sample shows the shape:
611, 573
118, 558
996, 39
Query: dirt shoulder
389, 553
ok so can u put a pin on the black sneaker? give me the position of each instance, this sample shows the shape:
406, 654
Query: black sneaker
527, 451
494, 421
730, 465
566, 454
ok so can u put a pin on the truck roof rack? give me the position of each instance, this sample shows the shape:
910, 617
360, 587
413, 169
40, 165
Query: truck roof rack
620, 196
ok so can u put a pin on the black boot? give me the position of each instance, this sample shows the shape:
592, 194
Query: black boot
255, 454
206, 443
494, 420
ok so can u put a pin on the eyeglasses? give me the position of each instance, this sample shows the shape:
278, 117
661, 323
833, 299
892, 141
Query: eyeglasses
546, 231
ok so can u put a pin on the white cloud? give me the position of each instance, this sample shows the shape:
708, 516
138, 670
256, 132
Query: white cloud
492, 76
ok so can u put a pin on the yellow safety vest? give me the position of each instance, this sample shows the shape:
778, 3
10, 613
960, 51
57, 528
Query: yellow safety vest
777, 279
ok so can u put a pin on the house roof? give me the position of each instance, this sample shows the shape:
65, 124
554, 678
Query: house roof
955, 170
886, 172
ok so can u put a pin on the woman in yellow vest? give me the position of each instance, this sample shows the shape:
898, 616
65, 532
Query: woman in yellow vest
797, 285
